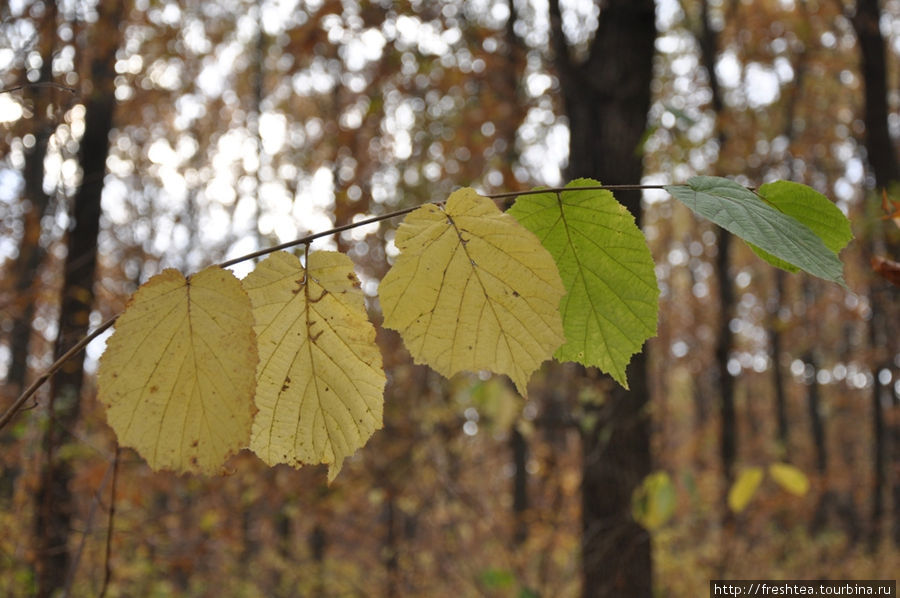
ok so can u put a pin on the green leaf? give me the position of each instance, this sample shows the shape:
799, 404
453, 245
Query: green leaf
653, 502
744, 488
612, 299
497, 579
740, 211
811, 208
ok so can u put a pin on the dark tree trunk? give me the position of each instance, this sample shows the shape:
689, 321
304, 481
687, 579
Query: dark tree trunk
708, 40
519, 447
606, 99
882, 158
814, 408
31, 253
879, 147
23, 274
724, 342
777, 375
54, 507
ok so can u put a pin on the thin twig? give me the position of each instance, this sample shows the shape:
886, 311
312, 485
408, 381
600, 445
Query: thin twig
107, 567
98, 499
33, 388
310, 238
585, 188
52, 84
42, 379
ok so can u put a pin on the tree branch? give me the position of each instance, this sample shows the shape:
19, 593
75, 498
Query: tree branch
19, 403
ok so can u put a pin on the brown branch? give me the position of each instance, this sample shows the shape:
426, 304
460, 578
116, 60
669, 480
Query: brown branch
33, 388
52, 84
107, 568
78, 347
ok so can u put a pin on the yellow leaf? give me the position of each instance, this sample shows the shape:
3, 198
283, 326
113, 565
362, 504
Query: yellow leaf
472, 289
653, 502
320, 380
790, 478
744, 488
177, 375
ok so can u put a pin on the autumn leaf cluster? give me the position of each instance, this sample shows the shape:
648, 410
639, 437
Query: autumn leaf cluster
285, 362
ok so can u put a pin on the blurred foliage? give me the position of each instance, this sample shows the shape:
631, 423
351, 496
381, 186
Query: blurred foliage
242, 124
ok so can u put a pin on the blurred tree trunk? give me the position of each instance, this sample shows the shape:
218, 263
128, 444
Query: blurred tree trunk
23, 273
606, 98
519, 447
31, 253
708, 40
882, 158
53, 501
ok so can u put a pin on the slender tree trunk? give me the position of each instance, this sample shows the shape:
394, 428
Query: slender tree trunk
724, 342
606, 99
23, 274
31, 253
519, 447
775, 340
54, 506
708, 40
879, 147
814, 408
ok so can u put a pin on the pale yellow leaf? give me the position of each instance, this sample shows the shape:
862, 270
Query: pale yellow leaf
320, 380
790, 478
177, 376
743, 489
472, 290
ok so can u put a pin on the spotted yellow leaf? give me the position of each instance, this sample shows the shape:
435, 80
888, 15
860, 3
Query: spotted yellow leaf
472, 289
177, 376
320, 381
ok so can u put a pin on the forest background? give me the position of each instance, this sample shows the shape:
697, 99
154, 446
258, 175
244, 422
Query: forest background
136, 136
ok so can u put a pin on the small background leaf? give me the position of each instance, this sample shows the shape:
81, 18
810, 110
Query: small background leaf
743, 488
321, 384
740, 211
177, 376
612, 298
653, 502
790, 478
472, 290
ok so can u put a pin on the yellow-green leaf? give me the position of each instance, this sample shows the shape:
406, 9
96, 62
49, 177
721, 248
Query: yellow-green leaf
320, 381
810, 208
177, 376
472, 290
653, 502
743, 489
790, 478
612, 298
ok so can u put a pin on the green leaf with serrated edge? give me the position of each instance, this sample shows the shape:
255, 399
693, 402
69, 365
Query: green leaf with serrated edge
740, 211
811, 208
612, 299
